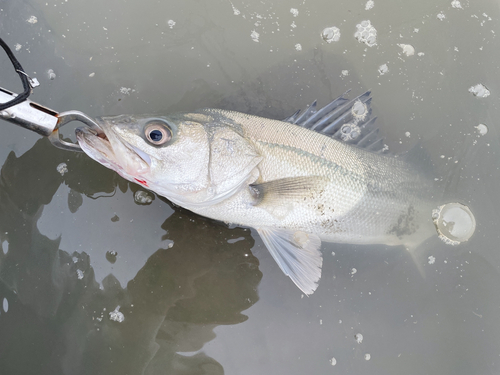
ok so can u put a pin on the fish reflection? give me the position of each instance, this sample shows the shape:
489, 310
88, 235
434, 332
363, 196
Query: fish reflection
59, 322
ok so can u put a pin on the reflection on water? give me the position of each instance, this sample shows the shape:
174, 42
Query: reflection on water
59, 316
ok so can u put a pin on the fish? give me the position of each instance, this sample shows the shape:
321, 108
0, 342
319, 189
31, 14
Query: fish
319, 175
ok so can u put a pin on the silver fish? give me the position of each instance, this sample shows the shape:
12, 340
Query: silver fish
316, 176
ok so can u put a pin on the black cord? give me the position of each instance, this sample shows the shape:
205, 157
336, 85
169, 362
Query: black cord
24, 78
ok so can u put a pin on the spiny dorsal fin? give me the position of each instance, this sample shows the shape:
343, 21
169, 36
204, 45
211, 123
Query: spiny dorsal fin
297, 253
346, 120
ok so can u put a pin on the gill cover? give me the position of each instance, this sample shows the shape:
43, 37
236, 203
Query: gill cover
232, 162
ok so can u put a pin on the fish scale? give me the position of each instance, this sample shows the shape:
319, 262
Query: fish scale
353, 174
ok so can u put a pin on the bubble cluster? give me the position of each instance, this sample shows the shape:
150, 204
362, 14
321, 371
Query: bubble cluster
255, 36
62, 168
79, 274
358, 337
481, 129
126, 90
116, 315
331, 34
349, 131
51, 74
479, 90
236, 11
366, 33
141, 197
408, 49
382, 69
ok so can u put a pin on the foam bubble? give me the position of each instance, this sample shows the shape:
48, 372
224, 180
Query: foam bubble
141, 197
116, 315
62, 168
79, 274
481, 129
408, 49
331, 34
479, 90
382, 69
454, 223
255, 36
5, 247
366, 33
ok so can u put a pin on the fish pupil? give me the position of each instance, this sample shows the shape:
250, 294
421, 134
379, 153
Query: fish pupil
156, 135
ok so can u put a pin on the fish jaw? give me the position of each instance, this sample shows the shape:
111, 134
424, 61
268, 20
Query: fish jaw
108, 149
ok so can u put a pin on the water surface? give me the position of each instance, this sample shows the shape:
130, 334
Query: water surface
195, 296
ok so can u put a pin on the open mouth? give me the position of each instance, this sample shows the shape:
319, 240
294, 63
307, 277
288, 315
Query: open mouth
95, 143
98, 132
109, 149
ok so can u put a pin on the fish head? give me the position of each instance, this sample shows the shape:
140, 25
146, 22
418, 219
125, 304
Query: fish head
185, 158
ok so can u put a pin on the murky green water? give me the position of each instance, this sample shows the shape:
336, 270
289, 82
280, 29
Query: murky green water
195, 296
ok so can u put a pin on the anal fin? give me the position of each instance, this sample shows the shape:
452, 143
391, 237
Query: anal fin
298, 255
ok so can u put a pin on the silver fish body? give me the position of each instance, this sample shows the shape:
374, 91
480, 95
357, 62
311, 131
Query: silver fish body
296, 186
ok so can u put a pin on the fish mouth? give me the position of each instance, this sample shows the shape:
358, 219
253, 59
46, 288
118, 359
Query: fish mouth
98, 132
107, 148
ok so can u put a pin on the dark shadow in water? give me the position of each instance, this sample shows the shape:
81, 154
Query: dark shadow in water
57, 322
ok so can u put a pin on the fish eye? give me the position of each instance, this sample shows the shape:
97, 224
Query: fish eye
158, 133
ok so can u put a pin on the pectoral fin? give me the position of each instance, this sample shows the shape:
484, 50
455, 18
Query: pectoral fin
297, 253
287, 188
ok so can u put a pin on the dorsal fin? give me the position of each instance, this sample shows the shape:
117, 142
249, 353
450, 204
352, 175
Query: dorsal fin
346, 120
